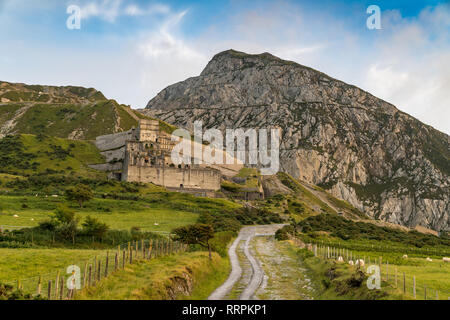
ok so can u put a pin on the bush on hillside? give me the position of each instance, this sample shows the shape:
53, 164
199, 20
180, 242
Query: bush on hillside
350, 230
285, 233
232, 221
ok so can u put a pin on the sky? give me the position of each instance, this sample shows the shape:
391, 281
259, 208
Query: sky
132, 49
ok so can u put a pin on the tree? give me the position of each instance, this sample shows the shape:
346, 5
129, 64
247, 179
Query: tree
93, 227
66, 223
195, 234
80, 193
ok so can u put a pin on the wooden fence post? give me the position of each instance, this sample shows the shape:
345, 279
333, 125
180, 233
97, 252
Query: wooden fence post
39, 286
425, 292
84, 274
143, 248
90, 275
94, 276
387, 271
49, 290
404, 283
414, 287
99, 272
150, 245
123, 259
131, 256
156, 249
116, 262
107, 264
61, 288
56, 285
396, 278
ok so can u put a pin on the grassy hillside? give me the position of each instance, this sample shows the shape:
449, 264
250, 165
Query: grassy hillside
64, 112
24, 263
332, 228
305, 200
29, 154
188, 275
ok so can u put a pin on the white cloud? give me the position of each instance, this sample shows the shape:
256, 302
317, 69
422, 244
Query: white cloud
412, 67
165, 58
135, 10
105, 9
110, 10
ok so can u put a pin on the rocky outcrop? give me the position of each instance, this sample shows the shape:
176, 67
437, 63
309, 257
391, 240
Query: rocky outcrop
360, 148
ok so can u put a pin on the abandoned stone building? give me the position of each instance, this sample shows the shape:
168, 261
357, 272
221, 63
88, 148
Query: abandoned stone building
144, 155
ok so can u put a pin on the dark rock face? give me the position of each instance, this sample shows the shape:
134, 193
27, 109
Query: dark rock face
360, 148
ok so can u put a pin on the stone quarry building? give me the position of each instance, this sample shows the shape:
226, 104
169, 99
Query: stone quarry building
144, 155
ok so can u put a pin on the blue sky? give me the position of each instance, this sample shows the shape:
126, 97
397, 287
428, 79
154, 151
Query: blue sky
132, 49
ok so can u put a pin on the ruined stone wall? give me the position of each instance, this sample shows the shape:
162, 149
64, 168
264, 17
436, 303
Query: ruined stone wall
114, 141
190, 178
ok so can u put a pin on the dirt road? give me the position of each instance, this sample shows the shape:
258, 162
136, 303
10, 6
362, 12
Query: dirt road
261, 269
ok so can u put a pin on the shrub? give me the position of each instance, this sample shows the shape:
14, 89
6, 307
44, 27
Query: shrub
305, 254
93, 227
285, 233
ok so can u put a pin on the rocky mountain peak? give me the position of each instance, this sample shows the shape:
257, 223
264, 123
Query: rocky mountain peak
232, 60
358, 147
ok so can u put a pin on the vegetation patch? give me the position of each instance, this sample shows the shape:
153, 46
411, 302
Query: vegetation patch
350, 230
190, 275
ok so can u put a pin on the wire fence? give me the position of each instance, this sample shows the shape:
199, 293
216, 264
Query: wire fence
441, 252
63, 284
391, 275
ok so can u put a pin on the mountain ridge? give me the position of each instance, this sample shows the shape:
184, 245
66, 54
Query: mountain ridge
66, 112
360, 148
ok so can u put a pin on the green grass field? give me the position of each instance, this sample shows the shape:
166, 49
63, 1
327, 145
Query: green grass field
435, 275
159, 279
123, 214
27, 265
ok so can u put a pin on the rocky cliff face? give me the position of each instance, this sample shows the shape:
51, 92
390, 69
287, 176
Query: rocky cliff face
360, 148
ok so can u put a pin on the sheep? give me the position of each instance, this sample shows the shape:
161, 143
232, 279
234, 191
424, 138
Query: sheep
340, 259
445, 259
15, 216
350, 262
360, 262
429, 259
405, 256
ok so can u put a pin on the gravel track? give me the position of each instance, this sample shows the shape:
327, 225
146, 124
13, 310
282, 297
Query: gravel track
246, 234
